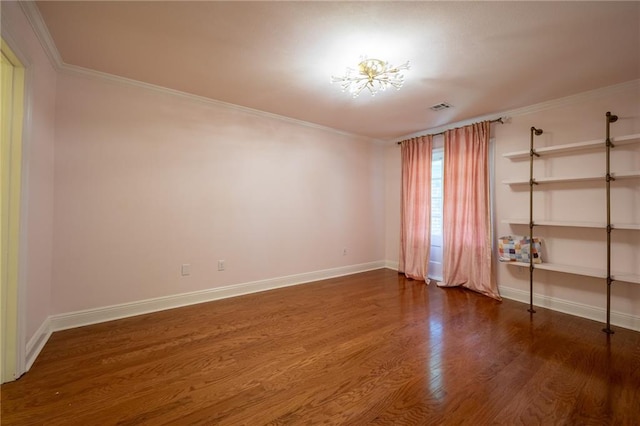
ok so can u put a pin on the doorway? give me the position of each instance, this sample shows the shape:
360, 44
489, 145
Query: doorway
12, 95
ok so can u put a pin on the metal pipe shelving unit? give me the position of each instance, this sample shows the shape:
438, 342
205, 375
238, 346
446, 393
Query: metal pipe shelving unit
605, 273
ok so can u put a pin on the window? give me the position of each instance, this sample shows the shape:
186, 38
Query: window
437, 190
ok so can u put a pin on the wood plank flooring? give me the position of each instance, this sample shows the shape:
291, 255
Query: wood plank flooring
371, 348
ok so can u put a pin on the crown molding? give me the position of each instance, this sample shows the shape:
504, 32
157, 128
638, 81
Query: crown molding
42, 32
572, 99
34, 17
542, 106
86, 72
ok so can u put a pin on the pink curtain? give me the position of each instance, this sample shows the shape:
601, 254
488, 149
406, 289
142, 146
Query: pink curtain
415, 219
467, 257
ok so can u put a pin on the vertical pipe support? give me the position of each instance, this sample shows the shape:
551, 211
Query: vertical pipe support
608, 178
532, 182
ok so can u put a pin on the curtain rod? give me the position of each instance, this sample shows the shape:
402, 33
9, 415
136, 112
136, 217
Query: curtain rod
497, 120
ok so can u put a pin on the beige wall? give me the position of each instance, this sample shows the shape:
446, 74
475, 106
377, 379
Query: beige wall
146, 181
393, 176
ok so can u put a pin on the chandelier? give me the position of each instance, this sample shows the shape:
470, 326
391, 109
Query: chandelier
372, 74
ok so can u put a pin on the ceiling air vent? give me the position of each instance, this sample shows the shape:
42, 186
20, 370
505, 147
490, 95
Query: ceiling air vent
440, 106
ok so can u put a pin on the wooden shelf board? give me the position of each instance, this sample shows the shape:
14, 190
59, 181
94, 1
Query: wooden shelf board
575, 270
627, 278
515, 182
544, 180
520, 264
620, 175
515, 221
626, 226
577, 146
579, 270
570, 224
626, 139
626, 175
567, 269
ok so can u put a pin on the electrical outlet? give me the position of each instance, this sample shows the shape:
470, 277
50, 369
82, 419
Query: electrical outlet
220, 265
185, 270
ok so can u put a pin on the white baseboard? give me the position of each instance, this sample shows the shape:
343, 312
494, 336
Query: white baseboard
37, 342
114, 312
572, 308
389, 264
109, 313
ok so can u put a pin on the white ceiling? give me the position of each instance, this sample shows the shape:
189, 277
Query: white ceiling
481, 57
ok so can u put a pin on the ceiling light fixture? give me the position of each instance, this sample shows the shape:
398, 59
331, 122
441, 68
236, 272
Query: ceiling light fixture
372, 74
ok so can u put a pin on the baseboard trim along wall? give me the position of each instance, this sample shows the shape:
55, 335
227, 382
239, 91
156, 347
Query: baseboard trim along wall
37, 342
109, 313
391, 265
572, 308
578, 309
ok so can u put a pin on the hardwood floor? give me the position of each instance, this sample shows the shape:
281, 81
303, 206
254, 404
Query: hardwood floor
371, 348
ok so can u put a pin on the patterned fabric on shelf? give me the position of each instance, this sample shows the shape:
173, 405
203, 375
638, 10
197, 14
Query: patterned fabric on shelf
513, 248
